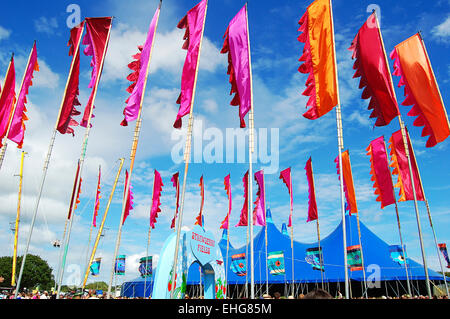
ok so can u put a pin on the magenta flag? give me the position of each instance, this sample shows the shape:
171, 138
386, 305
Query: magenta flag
156, 200
176, 183
7, 99
312, 208
286, 177
381, 174
97, 199
243, 221
193, 22
129, 204
237, 47
225, 222
17, 130
139, 76
259, 212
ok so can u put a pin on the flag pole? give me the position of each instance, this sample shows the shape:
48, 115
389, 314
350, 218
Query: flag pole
399, 229
265, 229
13, 111
16, 228
340, 148
148, 241
100, 230
187, 155
292, 236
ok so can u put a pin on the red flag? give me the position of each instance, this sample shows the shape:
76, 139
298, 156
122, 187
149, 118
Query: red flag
176, 183
66, 122
312, 208
97, 199
381, 175
193, 22
156, 200
412, 64
349, 188
199, 220
75, 198
225, 222
7, 99
371, 66
129, 204
239, 68
96, 39
399, 163
243, 221
286, 177
259, 212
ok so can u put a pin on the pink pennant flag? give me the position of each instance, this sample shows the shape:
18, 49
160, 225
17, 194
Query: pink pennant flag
7, 99
176, 183
156, 200
97, 199
139, 76
129, 204
225, 222
243, 221
312, 204
17, 130
237, 47
286, 177
193, 22
199, 218
259, 212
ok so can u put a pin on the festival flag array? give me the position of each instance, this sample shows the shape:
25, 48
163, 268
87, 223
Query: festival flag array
396, 254
275, 262
139, 76
156, 200
371, 65
399, 163
285, 175
239, 264
95, 267
312, 204
319, 60
176, 183
225, 222
97, 199
412, 65
119, 265
443, 250
349, 188
199, 218
129, 204
259, 216
354, 257
17, 129
193, 22
314, 258
7, 99
243, 220
239, 67
380, 172
96, 41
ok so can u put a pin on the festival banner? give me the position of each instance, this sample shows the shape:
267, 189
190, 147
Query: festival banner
176, 184
199, 218
349, 188
239, 264
156, 200
146, 266
97, 199
396, 254
7, 99
225, 222
275, 262
243, 221
119, 266
354, 258
95, 267
312, 204
443, 250
318, 59
314, 258
129, 204
259, 216
285, 175
75, 199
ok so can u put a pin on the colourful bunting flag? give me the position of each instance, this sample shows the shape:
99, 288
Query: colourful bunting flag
349, 188
314, 258
275, 262
199, 219
156, 200
396, 254
239, 264
259, 216
7, 99
176, 183
95, 267
146, 266
225, 222
354, 258
443, 250
119, 265
243, 220
312, 204
285, 175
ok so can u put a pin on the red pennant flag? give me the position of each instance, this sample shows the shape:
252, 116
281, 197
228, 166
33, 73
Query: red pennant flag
371, 66
412, 64
193, 22
259, 212
156, 200
66, 122
7, 99
381, 175
176, 183
312, 204
286, 177
97, 37
243, 221
129, 204
75, 198
225, 222
199, 220
97, 198
399, 163
349, 188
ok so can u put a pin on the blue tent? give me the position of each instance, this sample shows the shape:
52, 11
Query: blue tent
135, 288
376, 253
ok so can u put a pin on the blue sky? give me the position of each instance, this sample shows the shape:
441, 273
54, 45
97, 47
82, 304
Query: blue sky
278, 105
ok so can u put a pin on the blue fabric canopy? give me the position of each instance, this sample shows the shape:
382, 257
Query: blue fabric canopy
135, 288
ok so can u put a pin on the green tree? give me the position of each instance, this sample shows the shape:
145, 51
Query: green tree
36, 272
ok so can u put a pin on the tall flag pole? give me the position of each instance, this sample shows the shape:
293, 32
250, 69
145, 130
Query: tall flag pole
259, 215
225, 225
16, 126
7, 102
16, 228
194, 22
102, 224
66, 109
98, 33
384, 187
317, 30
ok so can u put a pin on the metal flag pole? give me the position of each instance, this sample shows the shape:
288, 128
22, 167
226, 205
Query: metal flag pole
340, 148
265, 230
148, 241
292, 235
187, 155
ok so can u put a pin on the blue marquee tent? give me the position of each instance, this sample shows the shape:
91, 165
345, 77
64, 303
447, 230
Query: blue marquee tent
135, 288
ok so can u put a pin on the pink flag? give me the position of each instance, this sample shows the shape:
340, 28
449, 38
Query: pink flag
17, 130
96, 39
7, 99
236, 45
243, 221
259, 212
176, 183
199, 218
97, 198
193, 22
129, 204
139, 76
286, 177
156, 200
225, 222
312, 208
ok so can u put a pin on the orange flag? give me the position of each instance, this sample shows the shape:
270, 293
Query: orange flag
411, 63
319, 59
349, 188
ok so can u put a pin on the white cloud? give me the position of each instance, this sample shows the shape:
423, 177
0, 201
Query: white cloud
47, 26
4, 33
442, 31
